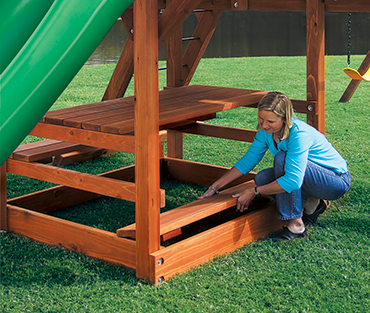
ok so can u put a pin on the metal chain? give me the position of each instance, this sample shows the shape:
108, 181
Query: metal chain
349, 39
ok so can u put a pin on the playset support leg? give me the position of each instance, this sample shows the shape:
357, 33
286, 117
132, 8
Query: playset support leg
147, 171
3, 205
364, 67
316, 61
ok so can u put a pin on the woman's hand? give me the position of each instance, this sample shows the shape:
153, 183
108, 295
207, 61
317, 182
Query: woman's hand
244, 199
210, 192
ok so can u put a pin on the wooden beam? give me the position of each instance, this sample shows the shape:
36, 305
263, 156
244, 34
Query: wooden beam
174, 72
219, 240
254, 5
3, 206
87, 182
125, 66
175, 144
196, 48
200, 174
347, 6
286, 5
364, 67
90, 241
174, 55
315, 61
169, 21
146, 133
60, 197
216, 131
123, 143
174, 15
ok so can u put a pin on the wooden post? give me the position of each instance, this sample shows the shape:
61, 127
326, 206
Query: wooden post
146, 133
174, 79
315, 14
3, 205
364, 67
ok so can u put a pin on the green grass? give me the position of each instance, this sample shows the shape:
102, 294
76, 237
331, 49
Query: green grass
327, 271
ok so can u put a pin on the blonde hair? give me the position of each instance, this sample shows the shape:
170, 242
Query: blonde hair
281, 105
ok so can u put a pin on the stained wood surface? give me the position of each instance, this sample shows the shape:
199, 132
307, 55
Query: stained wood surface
219, 240
175, 105
59, 197
75, 237
315, 20
45, 149
87, 182
146, 121
192, 212
283, 5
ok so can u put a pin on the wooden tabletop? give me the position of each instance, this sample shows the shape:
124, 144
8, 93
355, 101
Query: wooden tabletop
175, 105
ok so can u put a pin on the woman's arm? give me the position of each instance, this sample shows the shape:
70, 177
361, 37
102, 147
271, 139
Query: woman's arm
245, 197
227, 178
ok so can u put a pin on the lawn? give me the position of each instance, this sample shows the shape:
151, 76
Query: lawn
327, 271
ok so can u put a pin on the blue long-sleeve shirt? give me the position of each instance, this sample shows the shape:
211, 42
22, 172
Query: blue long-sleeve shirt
304, 143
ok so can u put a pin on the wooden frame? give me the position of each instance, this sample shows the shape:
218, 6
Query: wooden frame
27, 215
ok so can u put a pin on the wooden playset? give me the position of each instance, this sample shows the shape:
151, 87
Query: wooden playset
133, 124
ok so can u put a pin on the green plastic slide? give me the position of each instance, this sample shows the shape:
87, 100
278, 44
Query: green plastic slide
18, 20
49, 59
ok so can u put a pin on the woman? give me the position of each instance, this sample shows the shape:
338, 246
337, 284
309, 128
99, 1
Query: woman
306, 170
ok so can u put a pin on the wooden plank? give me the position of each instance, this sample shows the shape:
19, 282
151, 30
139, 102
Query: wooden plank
315, 61
347, 6
270, 5
124, 70
350, 90
57, 116
48, 150
174, 144
82, 155
222, 239
172, 18
192, 212
196, 48
185, 110
201, 174
239, 5
76, 118
93, 242
146, 133
287, 5
89, 138
87, 182
3, 206
124, 123
231, 133
174, 15
174, 56
60, 197
256, 5
32, 145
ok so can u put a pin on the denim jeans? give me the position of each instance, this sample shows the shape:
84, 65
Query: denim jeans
318, 182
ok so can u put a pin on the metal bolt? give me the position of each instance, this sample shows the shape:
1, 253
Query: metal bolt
160, 261
160, 279
131, 30
310, 107
236, 4
168, 163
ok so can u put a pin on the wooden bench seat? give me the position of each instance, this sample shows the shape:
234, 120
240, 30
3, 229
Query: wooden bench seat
58, 152
172, 221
